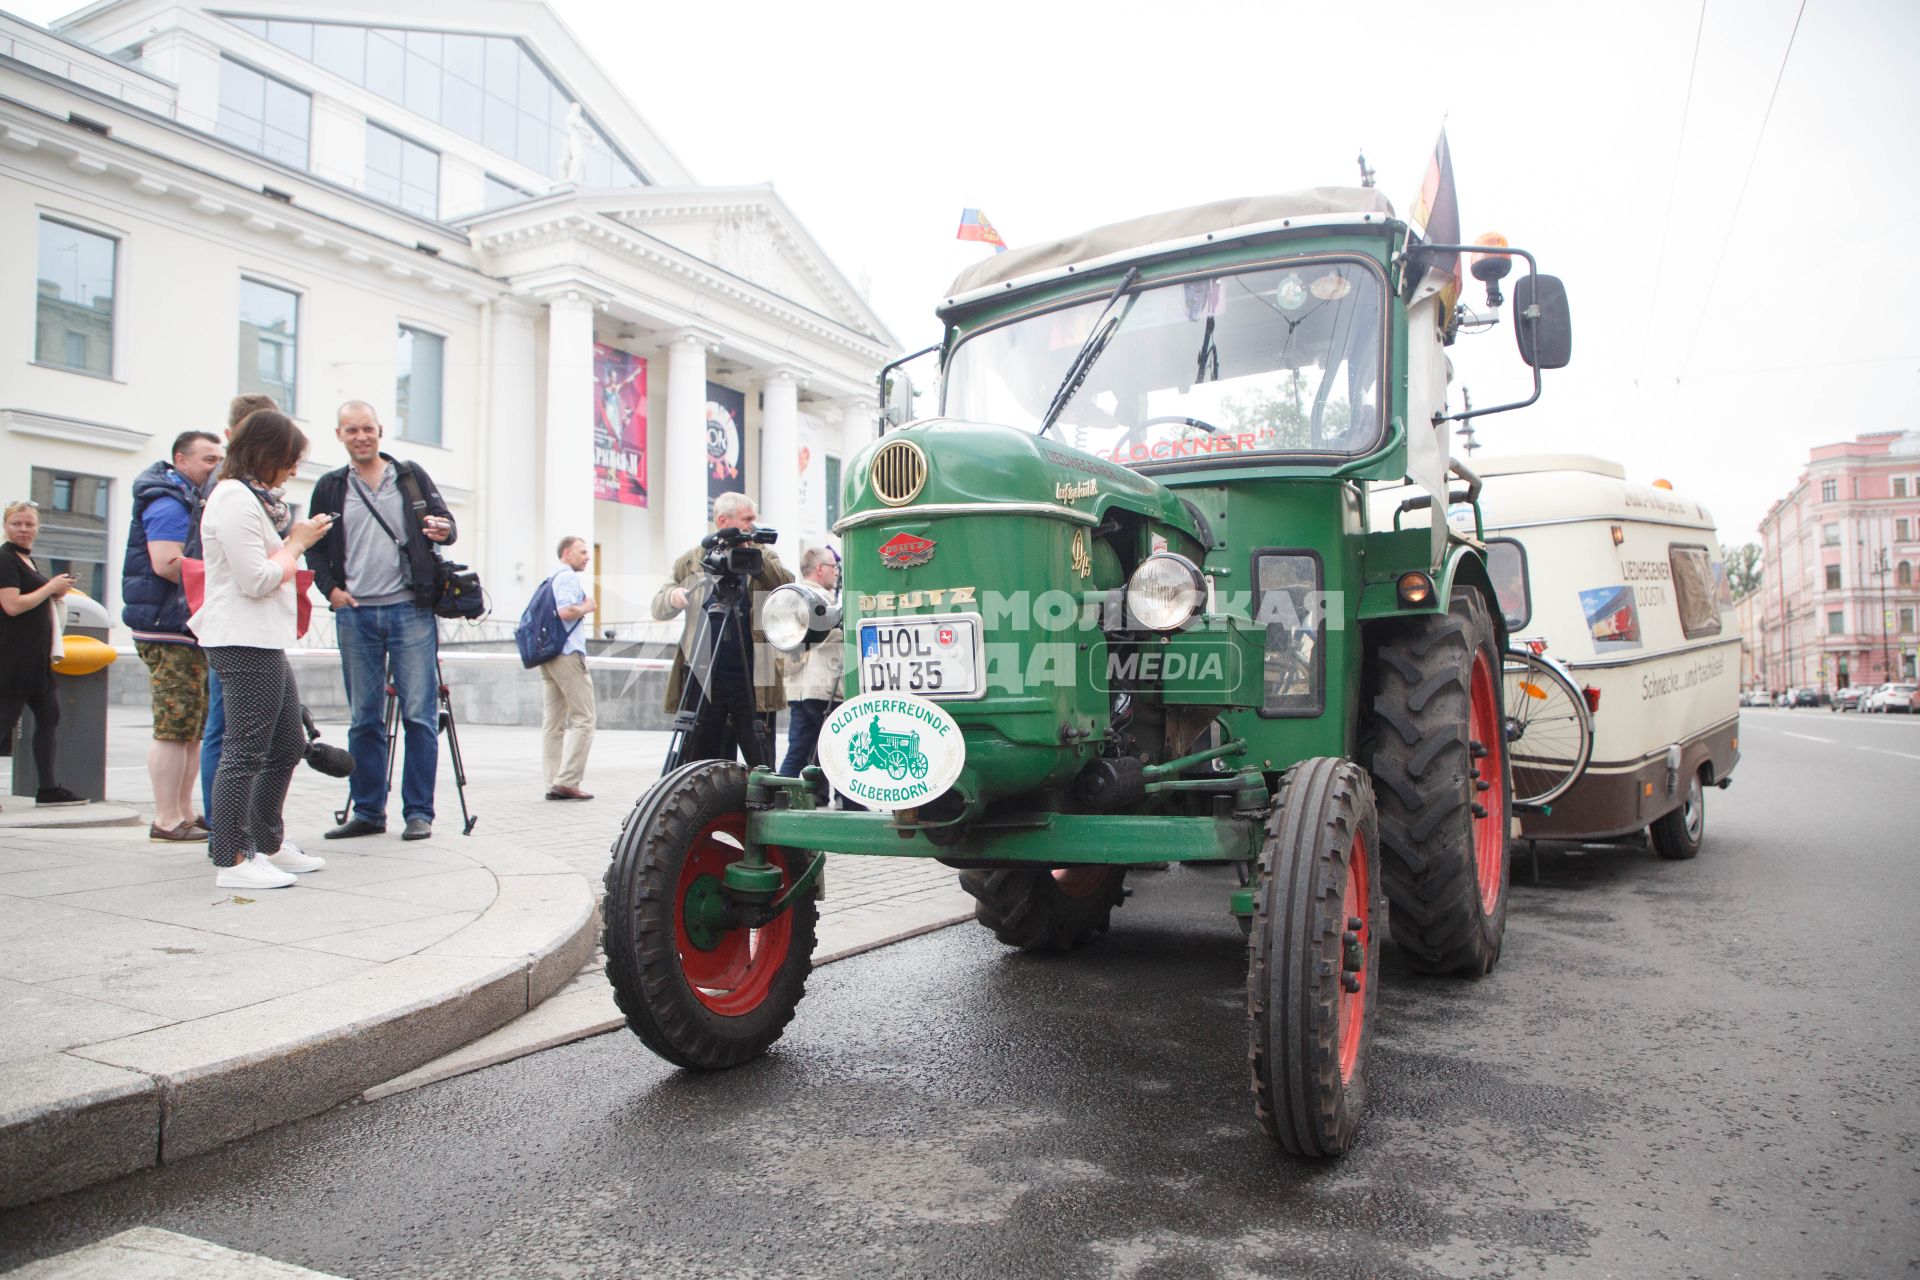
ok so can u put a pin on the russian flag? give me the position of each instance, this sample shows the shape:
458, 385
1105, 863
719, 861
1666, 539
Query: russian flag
974, 226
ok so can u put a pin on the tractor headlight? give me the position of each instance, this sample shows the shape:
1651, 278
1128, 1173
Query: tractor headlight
796, 616
1165, 592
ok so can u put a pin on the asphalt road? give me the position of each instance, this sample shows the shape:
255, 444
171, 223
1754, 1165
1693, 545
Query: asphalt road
1685, 1069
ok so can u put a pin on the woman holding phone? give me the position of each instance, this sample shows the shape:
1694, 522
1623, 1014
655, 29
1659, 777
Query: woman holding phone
245, 621
26, 646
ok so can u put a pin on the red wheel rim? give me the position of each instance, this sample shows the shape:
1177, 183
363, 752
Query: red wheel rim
1079, 882
1353, 1004
734, 976
1489, 832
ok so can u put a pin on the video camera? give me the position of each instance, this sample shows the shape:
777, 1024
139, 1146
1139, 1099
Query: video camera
736, 553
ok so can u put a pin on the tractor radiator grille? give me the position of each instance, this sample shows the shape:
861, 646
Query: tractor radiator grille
899, 472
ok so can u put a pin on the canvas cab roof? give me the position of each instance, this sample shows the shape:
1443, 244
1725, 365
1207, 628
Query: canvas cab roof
1321, 204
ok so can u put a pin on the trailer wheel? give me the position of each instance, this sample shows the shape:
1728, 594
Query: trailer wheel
1036, 909
1435, 743
700, 996
1678, 835
1315, 959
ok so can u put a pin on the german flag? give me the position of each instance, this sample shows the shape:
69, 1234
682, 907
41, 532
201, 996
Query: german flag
974, 226
1436, 210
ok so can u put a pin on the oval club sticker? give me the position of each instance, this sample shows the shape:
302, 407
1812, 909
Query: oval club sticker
890, 750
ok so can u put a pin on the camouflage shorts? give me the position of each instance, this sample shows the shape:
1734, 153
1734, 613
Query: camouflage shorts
178, 674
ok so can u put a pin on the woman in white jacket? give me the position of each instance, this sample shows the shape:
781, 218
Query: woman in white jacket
245, 622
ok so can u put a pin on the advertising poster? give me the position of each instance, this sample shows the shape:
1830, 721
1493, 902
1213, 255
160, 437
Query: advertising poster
726, 442
619, 426
1611, 615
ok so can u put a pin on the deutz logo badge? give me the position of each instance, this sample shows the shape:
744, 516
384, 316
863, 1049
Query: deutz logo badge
1082, 562
904, 550
1068, 491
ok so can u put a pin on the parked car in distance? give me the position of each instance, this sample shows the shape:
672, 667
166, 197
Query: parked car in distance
1848, 699
1891, 698
1755, 698
1806, 698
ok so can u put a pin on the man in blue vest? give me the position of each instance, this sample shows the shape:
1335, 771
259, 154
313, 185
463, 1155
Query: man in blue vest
165, 529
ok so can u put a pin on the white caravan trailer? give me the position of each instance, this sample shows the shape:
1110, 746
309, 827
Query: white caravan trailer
1627, 586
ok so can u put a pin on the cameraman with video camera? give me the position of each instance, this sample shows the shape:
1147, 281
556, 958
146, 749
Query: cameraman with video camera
737, 710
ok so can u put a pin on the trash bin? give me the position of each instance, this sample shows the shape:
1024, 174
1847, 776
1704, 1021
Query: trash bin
80, 682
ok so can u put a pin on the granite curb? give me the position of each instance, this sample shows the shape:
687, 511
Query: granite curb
96, 1111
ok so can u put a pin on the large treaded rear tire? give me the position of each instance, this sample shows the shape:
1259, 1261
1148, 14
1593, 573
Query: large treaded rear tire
1314, 959
1035, 909
713, 1006
1445, 867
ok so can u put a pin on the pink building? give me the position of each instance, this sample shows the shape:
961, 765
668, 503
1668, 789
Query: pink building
1838, 600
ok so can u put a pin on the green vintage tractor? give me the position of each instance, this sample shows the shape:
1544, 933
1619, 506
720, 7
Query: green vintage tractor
1127, 591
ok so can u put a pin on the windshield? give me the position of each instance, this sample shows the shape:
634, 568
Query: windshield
1280, 360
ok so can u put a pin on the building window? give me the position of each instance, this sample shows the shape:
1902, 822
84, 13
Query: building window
1906, 621
262, 114
73, 319
500, 193
1829, 490
490, 89
1904, 577
270, 342
1830, 535
73, 527
1899, 486
401, 171
1692, 570
417, 390
1903, 530
1836, 624
1833, 577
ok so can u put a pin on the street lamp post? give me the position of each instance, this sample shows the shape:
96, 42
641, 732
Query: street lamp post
1880, 571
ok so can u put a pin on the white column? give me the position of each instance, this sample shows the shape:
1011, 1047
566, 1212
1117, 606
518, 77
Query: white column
567, 506
513, 564
683, 477
780, 459
858, 428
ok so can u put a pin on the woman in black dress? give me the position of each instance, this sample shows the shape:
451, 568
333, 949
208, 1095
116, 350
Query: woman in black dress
26, 645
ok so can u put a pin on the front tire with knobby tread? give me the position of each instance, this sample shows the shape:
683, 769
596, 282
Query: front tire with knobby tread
1442, 784
1037, 909
673, 847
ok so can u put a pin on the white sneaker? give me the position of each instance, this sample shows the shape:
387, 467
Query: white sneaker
292, 858
254, 873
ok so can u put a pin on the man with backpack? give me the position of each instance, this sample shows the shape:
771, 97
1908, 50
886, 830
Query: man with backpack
376, 567
567, 717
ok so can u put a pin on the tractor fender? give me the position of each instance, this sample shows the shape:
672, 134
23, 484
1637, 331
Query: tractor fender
1466, 570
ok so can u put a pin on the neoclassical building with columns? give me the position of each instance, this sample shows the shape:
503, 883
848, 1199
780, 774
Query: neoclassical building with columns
452, 214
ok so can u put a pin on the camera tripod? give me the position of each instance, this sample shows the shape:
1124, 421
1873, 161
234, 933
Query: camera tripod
446, 726
695, 720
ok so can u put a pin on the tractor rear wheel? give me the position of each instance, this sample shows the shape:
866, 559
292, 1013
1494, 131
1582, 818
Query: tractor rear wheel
1315, 958
698, 993
1037, 909
1435, 743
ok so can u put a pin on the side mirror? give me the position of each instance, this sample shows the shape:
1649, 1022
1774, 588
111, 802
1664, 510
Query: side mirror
1542, 324
1507, 566
898, 410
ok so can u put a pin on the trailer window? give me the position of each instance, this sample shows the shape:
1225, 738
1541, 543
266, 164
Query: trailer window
1507, 565
1693, 588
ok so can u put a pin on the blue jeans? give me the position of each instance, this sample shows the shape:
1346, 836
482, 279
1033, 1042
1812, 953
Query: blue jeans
376, 641
804, 718
211, 739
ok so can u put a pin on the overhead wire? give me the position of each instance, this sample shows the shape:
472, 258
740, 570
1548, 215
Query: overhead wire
1726, 238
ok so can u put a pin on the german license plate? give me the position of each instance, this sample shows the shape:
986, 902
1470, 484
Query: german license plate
935, 656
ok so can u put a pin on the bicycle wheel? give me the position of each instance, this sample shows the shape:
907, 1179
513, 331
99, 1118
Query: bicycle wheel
1549, 728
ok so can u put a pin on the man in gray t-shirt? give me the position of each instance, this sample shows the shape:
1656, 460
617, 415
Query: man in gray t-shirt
376, 570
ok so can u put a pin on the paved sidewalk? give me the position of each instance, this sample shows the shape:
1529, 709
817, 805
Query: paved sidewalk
146, 1015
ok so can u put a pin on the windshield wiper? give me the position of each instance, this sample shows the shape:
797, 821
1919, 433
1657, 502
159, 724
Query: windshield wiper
1083, 360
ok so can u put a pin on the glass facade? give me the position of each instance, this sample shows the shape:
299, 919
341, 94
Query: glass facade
501, 192
263, 115
73, 315
487, 88
401, 171
421, 378
270, 342
74, 508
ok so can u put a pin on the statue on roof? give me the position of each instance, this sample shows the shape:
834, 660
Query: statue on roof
579, 135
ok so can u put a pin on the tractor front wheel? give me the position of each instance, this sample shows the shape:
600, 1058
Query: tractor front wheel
1315, 959
699, 993
1036, 909
1436, 744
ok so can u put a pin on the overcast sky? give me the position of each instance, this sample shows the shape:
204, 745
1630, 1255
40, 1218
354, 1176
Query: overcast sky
1718, 333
